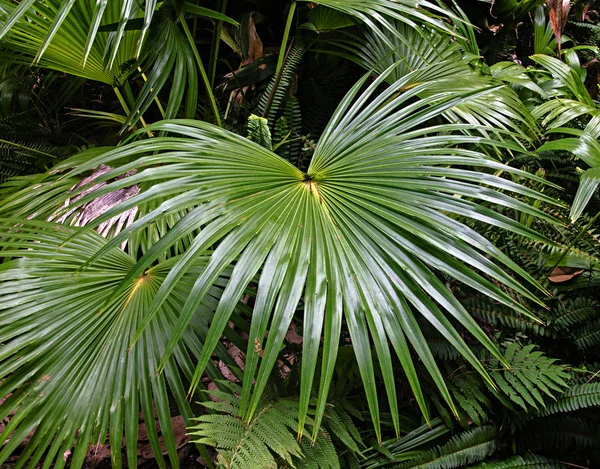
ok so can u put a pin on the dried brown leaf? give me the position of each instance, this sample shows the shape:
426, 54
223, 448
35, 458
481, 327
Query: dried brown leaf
559, 14
564, 274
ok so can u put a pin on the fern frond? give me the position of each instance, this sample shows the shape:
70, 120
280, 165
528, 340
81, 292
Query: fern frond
587, 335
465, 448
342, 426
579, 396
468, 391
528, 461
250, 444
531, 376
499, 315
269, 439
273, 98
258, 131
26, 147
287, 132
562, 433
319, 454
574, 311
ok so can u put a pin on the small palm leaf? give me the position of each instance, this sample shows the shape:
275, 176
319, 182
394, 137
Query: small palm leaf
573, 98
410, 12
65, 361
405, 448
584, 145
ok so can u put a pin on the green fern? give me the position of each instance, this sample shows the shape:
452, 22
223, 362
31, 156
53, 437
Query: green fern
584, 33
27, 148
258, 131
319, 454
249, 444
588, 335
465, 448
287, 132
528, 461
529, 384
469, 393
561, 433
273, 99
532, 378
574, 311
499, 315
269, 439
579, 396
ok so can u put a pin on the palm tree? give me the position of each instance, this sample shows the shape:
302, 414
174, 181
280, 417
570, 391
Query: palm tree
228, 232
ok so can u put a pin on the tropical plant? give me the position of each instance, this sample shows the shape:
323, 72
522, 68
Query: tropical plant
337, 217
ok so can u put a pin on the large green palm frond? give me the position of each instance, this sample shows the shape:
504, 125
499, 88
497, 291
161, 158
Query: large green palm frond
417, 48
89, 17
365, 238
65, 361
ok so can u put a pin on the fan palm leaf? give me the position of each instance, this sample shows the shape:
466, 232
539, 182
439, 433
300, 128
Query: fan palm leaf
364, 237
127, 15
417, 48
74, 375
410, 12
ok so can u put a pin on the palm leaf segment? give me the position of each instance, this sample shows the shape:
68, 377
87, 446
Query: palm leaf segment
573, 102
103, 40
412, 49
360, 237
64, 36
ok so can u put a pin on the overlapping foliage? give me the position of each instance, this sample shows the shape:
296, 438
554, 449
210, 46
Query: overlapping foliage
419, 241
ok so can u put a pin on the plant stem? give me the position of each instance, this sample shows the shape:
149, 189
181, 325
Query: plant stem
121, 100
26, 148
286, 35
214, 53
156, 100
211, 96
572, 243
131, 100
127, 110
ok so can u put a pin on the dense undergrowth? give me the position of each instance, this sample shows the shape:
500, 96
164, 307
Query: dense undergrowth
332, 234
